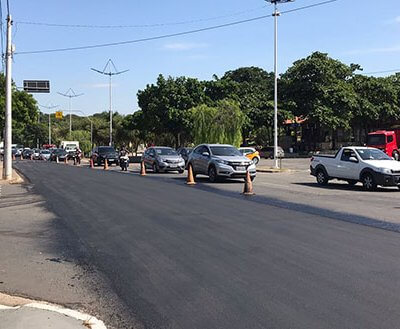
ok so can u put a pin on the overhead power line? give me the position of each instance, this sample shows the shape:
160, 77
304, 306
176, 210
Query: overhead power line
139, 25
165, 36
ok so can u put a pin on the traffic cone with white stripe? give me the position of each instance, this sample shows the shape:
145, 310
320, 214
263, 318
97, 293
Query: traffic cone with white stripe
142, 169
190, 176
105, 164
248, 185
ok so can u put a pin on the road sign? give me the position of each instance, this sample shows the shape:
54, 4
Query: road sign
37, 86
59, 115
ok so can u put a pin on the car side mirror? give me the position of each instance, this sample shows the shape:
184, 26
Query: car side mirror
353, 159
206, 154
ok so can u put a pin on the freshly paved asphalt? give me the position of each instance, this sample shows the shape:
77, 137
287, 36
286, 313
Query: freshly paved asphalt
185, 257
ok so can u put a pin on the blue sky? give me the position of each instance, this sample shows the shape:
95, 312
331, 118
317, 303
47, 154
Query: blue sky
355, 31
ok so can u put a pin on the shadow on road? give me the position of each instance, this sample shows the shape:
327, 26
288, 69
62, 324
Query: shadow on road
338, 186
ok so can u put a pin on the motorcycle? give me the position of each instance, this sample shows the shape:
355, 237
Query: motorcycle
124, 162
77, 158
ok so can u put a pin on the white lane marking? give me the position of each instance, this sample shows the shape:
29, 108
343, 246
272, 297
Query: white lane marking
90, 320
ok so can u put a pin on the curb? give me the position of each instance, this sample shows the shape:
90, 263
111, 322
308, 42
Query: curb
87, 320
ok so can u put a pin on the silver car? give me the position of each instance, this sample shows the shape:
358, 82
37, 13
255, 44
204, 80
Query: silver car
160, 159
45, 155
220, 161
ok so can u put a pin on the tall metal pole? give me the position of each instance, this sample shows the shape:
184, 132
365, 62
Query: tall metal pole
111, 115
110, 64
70, 119
91, 135
7, 165
276, 14
49, 129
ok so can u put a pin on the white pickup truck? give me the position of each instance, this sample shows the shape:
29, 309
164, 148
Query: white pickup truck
367, 165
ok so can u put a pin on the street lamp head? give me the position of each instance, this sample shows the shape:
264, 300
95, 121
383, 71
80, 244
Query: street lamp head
279, 1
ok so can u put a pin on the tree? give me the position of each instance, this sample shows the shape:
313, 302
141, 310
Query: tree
220, 124
24, 114
318, 88
166, 106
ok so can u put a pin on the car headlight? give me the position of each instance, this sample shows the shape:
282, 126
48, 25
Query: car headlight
386, 171
222, 161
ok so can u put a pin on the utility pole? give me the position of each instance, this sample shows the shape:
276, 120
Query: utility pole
276, 14
110, 64
49, 108
91, 126
7, 164
70, 94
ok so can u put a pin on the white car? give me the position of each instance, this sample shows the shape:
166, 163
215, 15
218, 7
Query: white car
367, 165
45, 155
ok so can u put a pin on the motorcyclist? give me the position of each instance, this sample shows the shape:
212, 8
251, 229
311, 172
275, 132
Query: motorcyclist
124, 159
78, 156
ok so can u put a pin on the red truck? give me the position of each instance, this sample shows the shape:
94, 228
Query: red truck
386, 140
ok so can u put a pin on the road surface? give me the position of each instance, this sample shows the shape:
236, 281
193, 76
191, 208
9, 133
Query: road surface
186, 257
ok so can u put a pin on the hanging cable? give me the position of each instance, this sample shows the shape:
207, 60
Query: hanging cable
165, 36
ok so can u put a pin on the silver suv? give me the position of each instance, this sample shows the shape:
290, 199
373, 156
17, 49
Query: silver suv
219, 160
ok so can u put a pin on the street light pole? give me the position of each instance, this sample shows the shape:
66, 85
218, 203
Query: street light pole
49, 108
7, 165
276, 14
70, 94
110, 64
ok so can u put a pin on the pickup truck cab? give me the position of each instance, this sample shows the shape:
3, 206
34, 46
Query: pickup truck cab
367, 165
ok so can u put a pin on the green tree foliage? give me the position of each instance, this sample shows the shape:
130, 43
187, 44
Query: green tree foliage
318, 88
24, 114
220, 124
166, 106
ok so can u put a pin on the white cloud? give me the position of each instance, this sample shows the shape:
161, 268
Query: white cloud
393, 49
180, 46
397, 19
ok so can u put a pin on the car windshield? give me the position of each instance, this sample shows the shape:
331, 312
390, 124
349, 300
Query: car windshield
45, 152
225, 151
165, 151
372, 154
106, 150
379, 139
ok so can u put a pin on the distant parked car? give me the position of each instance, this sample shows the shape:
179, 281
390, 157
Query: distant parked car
45, 155
250, 153
101, 153
27, 153
36, 154
220, 161
160, 158
184, 152
268, 152
60, 153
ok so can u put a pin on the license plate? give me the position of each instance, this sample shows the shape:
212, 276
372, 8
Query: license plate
240, 168
173, 165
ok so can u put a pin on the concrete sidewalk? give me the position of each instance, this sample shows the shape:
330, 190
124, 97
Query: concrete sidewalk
21, 313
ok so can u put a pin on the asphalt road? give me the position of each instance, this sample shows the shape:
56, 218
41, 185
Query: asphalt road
188, 257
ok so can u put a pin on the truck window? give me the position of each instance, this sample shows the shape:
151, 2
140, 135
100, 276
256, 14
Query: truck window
347, 154
377, 139
390, 139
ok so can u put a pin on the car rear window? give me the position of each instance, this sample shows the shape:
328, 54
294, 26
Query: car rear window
106, 149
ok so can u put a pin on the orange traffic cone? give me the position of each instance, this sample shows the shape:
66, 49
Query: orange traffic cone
190, 176
65, 160
57, 159
31, 156
13, 156
91, 163
21, 157
142, 169
248, 185
105, 164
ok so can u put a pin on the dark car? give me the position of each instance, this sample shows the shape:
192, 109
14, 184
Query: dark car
27, 154
100, 153
184, 152
60, 153
268, 152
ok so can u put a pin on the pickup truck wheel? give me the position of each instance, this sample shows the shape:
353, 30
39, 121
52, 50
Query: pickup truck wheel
322, 178
396, 155
352, 182
368, 182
